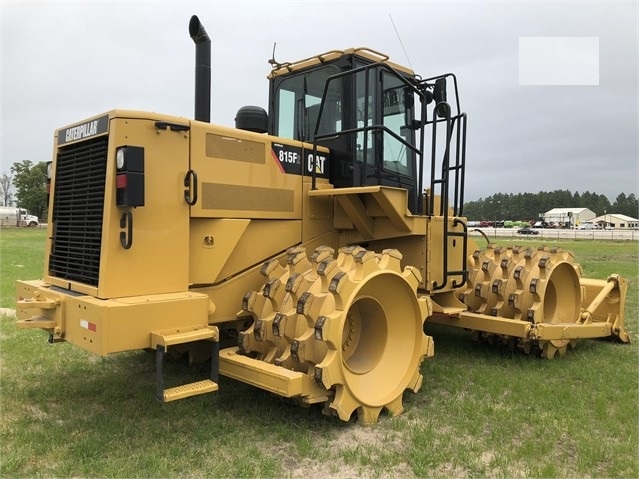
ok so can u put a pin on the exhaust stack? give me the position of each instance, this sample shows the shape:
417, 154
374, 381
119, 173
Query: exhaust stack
202, 70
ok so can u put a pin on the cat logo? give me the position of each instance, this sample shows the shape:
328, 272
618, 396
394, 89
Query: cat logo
320, 161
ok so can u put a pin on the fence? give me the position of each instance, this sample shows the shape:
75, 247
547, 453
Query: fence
595, 235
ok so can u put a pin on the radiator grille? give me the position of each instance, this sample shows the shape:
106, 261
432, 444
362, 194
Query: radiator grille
78, 205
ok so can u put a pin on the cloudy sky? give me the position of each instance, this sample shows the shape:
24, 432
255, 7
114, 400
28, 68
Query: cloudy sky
550, 88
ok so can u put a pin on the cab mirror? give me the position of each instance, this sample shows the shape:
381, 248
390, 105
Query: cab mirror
442, 108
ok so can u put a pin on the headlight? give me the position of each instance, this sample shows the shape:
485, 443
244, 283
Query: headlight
119, 159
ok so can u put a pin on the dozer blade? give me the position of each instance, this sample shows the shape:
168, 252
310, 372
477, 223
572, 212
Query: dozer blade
603, 302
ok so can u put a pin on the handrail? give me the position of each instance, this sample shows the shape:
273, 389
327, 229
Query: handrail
440, 182
455, 125
366, 68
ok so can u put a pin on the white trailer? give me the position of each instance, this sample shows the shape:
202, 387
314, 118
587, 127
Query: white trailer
14, 216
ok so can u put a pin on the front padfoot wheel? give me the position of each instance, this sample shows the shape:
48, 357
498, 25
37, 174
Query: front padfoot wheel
353, 323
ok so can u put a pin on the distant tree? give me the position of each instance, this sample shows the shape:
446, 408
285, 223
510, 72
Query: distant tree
576, 200
472, 210
626, 205
594, 202
602, 205
633, 206
5, 189
29, 181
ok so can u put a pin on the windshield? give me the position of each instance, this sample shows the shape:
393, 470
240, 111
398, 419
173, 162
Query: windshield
297, 104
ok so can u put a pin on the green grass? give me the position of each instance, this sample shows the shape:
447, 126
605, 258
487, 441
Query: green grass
482, 411
21, 257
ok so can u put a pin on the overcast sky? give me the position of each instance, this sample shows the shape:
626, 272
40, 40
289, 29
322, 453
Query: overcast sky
63, 62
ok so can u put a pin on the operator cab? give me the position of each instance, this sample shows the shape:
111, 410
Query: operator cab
361, 107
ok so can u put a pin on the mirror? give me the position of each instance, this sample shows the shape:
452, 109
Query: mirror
442, 109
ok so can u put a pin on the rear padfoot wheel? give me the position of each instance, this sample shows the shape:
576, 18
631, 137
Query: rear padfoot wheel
535, 285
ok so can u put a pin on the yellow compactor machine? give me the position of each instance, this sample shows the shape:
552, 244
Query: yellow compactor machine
302, 250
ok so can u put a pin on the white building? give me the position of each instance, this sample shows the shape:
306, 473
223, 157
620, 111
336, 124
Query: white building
616, 221
569, 216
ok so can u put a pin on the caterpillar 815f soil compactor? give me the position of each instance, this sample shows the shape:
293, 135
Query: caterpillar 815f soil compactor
304, 241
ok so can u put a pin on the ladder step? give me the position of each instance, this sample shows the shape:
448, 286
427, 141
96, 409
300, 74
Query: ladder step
162, 339
170, 338
188, 390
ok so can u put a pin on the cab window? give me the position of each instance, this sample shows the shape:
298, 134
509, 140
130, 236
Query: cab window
297, 104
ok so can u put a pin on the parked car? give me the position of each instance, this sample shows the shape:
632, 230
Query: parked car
588, 226
527, 231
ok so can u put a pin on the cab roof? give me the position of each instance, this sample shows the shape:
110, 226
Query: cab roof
362, 52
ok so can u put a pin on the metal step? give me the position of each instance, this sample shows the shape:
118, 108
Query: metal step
171, 338
161, 340
188, 390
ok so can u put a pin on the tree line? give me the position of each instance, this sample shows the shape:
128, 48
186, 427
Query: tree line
529, 206
26, 187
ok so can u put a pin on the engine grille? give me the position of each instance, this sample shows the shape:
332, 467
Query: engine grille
78, 206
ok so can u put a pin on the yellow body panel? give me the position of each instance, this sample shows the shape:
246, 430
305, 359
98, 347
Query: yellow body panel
239, 176
438, 260
221, 248
379, 217
113, 325
226, 296
157, 261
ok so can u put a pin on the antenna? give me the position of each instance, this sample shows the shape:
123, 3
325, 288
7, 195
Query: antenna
400, 41
272, 61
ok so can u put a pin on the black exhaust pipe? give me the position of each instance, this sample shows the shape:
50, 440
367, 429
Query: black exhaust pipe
202, 70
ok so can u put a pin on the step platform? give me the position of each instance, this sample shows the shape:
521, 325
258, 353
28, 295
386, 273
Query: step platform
161, 340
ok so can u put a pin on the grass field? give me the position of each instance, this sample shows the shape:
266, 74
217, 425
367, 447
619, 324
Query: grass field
482, 411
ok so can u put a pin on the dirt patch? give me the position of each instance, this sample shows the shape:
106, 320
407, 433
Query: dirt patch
366, 436
35, 412
7, 311
310, 468
450, 470
370, 442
